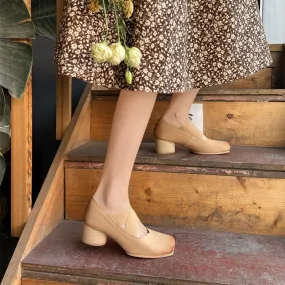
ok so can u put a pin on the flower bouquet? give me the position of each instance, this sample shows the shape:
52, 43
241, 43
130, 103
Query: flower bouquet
118, 51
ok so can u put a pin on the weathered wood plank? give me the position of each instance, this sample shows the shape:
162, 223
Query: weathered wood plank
243, 158
277, 77
276, 47
278, 59
102, 115
259, 124
240, 123
21, 156
186, 170
63, 90
48, 209
240, 98
200, 257
229, 203
36, 278
63, 104
111, 95
214, 97
21, 160
28, 281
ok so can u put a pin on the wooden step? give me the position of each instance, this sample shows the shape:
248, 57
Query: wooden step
242, 191
252, 117
201, 257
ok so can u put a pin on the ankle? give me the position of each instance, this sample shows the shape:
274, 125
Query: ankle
111, 203
177, 119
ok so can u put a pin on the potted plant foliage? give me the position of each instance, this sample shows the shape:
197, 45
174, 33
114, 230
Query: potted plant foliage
16, 26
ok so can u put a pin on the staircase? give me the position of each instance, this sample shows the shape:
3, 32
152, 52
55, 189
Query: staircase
227, 212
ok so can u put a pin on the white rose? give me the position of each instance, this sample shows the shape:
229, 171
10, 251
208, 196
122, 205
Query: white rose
101, 52
133, 57
118, 53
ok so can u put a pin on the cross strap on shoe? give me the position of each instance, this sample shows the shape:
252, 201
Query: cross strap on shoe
124, 229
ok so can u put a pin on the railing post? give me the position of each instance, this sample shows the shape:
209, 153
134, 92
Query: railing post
21, 156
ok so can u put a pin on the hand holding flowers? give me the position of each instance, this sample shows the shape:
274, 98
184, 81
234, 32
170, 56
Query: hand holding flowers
119, 51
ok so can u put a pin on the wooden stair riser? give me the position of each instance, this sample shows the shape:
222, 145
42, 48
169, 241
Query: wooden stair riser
239, 123
228, 203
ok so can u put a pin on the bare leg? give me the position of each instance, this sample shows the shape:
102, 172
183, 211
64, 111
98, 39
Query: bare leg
130, 119
177, 112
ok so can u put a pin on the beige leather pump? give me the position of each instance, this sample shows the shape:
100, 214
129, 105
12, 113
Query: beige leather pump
123, 229
167, 135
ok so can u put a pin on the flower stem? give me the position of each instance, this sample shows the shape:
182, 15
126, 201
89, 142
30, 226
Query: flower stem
117, 24
106, 20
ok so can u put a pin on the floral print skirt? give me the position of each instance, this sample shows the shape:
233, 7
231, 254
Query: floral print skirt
185, 44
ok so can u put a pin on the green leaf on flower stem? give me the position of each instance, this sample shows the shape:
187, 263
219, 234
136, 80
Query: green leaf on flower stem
15, 66
15, 20
44, 18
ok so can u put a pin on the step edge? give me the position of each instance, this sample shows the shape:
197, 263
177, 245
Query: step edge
265, 169
106, 95
240, 172
64, 275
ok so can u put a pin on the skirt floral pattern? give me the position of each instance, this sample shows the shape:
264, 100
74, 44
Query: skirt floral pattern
185, 44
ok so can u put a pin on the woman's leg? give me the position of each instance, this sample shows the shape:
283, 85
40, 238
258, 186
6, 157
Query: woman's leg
130, 119
177, 112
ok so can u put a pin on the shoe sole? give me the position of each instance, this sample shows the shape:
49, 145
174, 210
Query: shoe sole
145, 256
96, 238
210, 152
131, 254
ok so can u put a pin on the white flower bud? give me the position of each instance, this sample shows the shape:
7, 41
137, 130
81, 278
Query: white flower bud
101, 52
133, 57
128, 76
118, 53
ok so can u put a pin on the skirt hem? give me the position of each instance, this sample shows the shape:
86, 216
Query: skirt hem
169, 90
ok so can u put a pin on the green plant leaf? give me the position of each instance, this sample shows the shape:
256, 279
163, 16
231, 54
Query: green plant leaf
15, 65
5, 131
4, 134
44, 17
2, 167
15, 56
2, 104
15, 20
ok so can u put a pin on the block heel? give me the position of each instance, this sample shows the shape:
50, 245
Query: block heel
93, 237
123, 228
164, 147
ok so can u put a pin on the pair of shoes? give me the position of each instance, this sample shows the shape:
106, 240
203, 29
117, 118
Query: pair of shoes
123, 228
167, 135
